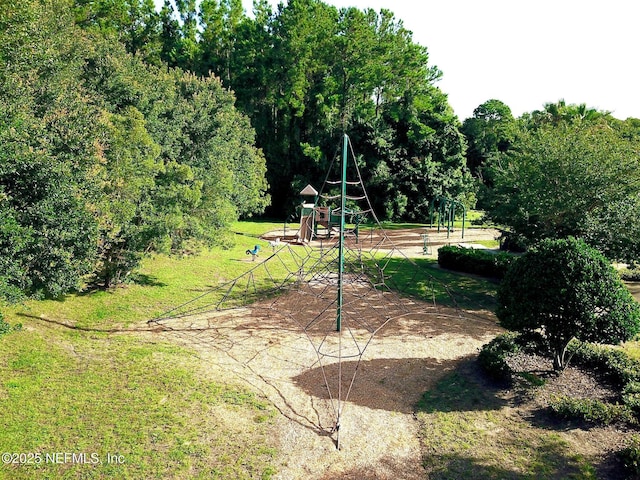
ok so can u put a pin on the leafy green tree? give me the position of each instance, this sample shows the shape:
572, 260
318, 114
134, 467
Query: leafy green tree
561, 112
567, 290
47, 152
209, 174
489, 131
220, 22
579, 179
135, 23
312, 72
125, 211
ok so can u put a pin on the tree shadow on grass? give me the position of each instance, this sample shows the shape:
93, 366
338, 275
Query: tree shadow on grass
94, 285
550, 460
465, 388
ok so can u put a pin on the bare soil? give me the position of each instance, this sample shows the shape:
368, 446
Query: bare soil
378, 433
260, 348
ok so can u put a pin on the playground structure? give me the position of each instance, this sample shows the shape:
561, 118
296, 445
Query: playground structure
324, 221
339, 297
444, 208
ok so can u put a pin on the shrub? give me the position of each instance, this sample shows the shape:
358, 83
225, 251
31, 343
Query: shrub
630, 456
590, 410
616, 365
478, 262
493, 355
630, 274
631, 396
567, 290
610, 361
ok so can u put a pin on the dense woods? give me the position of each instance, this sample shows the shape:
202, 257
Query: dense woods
126, 130
105, 157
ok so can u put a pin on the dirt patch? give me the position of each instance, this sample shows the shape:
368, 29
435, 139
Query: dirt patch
261, 348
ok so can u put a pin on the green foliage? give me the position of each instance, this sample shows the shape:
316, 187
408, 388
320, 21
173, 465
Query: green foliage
569, 290
479, 262
492, 356
46, 154
104, 158
590, 410
570, 178
309, 71
490, 131
630, 274
622, 370
125, 210
630, 456
631, 396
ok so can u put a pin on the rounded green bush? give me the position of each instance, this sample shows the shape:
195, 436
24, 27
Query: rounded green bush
567, 289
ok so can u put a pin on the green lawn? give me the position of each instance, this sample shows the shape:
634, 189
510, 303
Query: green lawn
470, 430
97, 390
139, 401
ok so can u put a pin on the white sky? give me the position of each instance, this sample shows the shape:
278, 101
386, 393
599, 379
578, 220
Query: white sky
526, 52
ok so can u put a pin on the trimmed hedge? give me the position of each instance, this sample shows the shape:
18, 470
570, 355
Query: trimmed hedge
630, 274
613, 362
493, 355
478, 262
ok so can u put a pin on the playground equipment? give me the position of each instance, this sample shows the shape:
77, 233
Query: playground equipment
274, 244
307, 214
445, 208
254, 252
339, 297
426, 246
333, 220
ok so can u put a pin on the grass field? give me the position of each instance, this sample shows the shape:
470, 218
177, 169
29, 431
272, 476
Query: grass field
130, 406
93, 391
470, 429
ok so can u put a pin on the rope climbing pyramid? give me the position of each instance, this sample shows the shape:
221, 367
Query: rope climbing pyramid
339, 296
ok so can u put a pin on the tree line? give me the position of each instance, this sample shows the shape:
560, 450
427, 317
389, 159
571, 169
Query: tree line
125, 130
104, 157
304, 74
563, 171
308, 71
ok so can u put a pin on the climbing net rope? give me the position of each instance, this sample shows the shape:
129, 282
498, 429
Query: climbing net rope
301, 284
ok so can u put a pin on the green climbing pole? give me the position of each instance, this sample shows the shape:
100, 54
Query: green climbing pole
343, 197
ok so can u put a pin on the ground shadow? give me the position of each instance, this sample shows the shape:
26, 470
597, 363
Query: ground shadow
551, 460
465, 388
141, 279
391, 384
421, 278
385, 467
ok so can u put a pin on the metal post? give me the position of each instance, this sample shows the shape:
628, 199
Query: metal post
464, 217
343, 195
